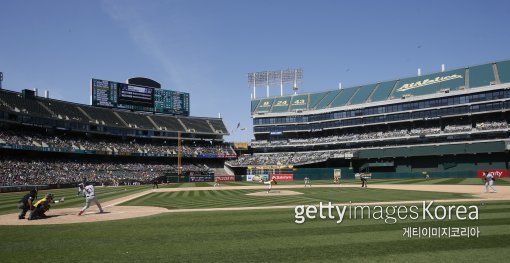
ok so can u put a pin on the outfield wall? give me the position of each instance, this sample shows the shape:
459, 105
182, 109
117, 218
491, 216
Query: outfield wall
446, 166
322, 173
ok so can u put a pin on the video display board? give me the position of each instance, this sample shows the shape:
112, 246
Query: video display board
112, 94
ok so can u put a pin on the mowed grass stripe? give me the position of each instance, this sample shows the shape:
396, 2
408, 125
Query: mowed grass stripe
411, 181
238, 198
451, 181
199, 237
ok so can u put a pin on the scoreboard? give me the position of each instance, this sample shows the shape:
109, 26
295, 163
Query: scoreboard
111, 94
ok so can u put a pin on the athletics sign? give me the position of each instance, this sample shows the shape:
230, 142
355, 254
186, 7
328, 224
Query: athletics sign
427, 82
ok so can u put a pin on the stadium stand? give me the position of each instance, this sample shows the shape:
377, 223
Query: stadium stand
53, 172
52, 142
343, 98
315, 99
64, 142
503, 69
218, 125
281, 105
63, 110
16, 102
168, 123
196, 125
327, 99
410, 125
136, 120
382, 91
104, 117
299, 102
480, 76
363, 94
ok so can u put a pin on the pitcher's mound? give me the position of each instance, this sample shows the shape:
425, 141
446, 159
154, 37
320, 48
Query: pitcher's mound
275, 192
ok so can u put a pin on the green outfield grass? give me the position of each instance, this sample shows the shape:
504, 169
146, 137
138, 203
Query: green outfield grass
255, 236
450, 181
239, 198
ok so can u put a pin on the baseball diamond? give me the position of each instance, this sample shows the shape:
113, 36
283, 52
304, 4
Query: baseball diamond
254, 131
153, 215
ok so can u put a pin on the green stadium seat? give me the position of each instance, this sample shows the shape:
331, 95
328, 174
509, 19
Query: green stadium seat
254, 104
281, 104
504, 71
315, 98
136, 120
344, 97
362, 95
383, 91
299, 102
482, 75
196, 124
170, 123
324, 103
264, 105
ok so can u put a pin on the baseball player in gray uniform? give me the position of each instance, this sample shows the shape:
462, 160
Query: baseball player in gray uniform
489, 181
90, 197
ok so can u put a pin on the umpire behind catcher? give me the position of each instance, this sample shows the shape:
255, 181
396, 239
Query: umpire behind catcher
27, 203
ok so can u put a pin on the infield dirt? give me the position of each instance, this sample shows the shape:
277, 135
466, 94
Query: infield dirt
113, 211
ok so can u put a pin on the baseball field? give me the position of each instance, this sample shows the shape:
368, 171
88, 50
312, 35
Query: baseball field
241, 222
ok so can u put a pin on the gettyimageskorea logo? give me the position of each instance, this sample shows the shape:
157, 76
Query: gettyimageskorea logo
391, 214
427, 82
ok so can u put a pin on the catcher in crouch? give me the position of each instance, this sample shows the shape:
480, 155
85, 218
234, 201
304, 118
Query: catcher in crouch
41, 207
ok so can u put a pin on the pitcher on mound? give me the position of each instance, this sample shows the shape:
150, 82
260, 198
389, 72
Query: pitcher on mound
270, 183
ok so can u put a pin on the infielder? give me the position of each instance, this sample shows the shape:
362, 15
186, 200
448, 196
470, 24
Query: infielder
489, 181
216, 182
307, 182
90, 197
363, 181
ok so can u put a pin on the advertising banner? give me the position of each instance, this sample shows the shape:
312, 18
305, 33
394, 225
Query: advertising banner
225, 178
257, 177
201, 178
495, 173
241, 146
283, 177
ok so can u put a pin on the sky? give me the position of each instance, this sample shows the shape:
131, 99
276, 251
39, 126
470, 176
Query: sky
208, 47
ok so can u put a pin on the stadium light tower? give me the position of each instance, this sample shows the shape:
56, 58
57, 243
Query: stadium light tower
1, 79
277, 77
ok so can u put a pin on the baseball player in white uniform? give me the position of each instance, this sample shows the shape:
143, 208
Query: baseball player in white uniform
307, 181
489, 181
90, 197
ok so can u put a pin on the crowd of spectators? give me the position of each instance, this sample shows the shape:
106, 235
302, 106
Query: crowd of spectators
75, 143
491, 125
352, 137
457, 128
424, 131
294, 158
36, 172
